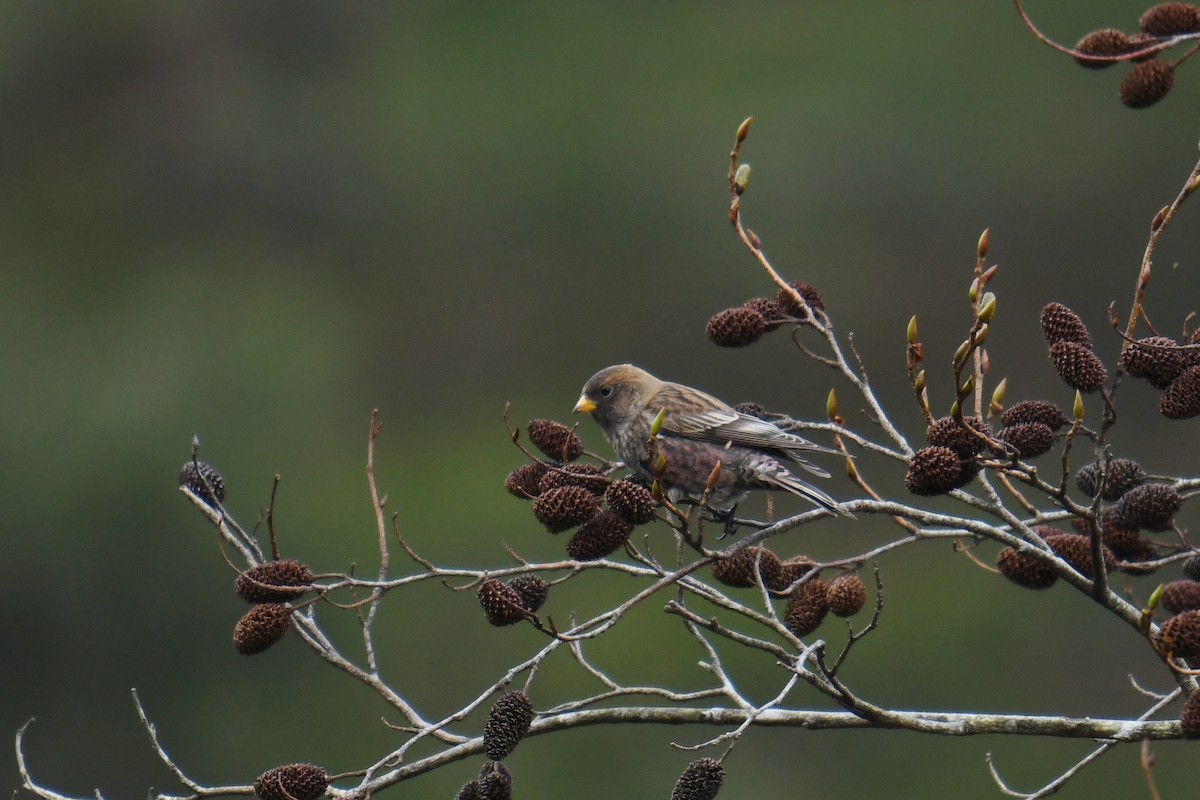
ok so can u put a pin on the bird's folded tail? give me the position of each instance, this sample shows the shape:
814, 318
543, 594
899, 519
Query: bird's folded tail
788, 481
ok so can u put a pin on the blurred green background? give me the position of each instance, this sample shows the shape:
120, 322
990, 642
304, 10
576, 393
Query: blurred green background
257, 222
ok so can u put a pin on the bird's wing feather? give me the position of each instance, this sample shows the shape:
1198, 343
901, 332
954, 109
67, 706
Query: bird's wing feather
714, 421
774, 474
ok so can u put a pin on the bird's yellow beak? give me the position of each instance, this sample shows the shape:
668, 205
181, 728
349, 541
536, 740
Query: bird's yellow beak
584, 406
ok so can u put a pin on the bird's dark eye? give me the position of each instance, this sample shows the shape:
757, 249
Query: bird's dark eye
606, 391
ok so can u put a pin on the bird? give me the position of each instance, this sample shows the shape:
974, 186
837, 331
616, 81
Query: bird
698, 432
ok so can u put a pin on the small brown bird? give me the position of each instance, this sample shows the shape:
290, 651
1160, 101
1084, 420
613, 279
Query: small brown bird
698, 432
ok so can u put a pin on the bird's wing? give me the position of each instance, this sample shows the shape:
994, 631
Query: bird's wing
695, 415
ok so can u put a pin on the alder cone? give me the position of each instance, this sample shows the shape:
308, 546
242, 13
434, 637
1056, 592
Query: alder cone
274, 581
507, 723
1078, 366
292, 782
261, 627
701, 780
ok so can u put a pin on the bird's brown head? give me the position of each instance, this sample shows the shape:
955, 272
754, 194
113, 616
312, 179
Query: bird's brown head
615, 396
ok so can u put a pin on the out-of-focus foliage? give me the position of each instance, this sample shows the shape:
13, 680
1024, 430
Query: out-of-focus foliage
257, 222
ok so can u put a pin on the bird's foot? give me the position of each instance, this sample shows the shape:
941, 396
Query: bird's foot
724, 516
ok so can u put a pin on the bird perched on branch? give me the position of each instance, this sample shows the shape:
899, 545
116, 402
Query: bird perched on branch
698, 433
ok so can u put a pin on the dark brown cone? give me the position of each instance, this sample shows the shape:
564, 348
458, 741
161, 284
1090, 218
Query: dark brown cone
1147, 83
846, 595
1180, 635
701, 780
565, 507
771, 311
589, 476
532, 589
469, 791
1125, 543
1061, 324
1042, 411
1133, 561
1076, 550
1189, 717
284, 580
1078, 366
193, 477
1170, 19
600, 536
556, 441
292, 782
500, 602
260, 627
1155, 359
933, 471
736, 327
751, 409
631, 501
806, 291
739, 569
1181, 400
523, 481
507, 723
807, 607
1105, 42
1180, 596
1031, 439
1150, 507
1122, 475
1191, 568
1025, 569
948, 432
495, 781
794, 569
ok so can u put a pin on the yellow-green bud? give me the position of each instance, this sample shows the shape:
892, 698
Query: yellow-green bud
987, 307
744, 130
741, 178
657, 424
1155, 596
999, 391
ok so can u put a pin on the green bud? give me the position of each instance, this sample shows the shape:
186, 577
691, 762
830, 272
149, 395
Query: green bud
911, 333
960, 355
987, 307
1155, 597
999, 391
744, 130
656, 426
741, 178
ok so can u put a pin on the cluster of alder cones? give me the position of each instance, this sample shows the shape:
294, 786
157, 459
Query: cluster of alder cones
1179, 635
745, 324
798, 579
567, 494
1149, 79
507, 723
267, 587
1031, 428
